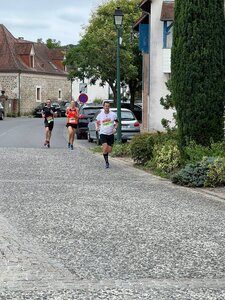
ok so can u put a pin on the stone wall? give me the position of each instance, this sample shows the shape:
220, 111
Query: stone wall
49, 89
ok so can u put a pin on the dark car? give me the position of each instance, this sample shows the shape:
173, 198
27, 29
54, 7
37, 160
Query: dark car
63, 108
137, 109
37, 111
86, 113
57, 108
2, 112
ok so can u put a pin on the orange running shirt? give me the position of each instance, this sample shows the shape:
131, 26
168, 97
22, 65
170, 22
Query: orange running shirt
72, 116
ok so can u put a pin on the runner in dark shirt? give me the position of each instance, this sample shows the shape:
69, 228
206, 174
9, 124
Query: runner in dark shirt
48, 113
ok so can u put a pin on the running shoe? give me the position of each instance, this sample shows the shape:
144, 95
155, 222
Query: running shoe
68, 145
48, 145
71, 147
107, 165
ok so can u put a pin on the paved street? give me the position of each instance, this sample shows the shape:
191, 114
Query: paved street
70, 229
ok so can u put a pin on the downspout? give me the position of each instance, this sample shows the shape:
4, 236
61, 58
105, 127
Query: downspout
19, 91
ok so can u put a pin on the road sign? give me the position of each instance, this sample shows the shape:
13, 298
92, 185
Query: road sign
83, 98
83, 87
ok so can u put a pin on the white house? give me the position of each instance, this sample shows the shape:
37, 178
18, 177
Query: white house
93, 91
157, 16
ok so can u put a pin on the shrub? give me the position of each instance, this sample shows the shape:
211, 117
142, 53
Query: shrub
12, 115
209, 172
216, 173
97, 101
121, 150
196, 152
141, 148
192, 175
167, 157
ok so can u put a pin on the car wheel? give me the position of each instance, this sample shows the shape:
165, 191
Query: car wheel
1, 116
90, 140
79, 136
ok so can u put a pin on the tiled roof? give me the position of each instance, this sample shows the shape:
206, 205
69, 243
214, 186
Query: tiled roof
12, 50
167, 13
23, 48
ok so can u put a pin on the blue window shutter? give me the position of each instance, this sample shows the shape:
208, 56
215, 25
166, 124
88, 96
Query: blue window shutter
144, 37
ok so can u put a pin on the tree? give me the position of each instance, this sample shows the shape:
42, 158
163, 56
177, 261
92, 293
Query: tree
95, 55
197, 68
52, 44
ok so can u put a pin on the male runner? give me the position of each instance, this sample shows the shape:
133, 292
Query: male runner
48, 113
107, 123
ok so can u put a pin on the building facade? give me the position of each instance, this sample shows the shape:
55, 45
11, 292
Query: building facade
30, 73
157, 15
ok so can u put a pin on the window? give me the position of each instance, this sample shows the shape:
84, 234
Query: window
32, 61
38, 94
32, 53
60, 95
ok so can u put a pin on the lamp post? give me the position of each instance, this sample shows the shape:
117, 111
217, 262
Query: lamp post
118, 20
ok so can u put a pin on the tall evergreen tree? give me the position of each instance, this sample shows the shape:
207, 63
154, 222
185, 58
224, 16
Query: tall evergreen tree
198, 70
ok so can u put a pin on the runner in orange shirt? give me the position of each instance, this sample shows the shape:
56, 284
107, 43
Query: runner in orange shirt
72, 115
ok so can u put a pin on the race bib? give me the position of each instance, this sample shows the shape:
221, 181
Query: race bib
72, 120
50, 119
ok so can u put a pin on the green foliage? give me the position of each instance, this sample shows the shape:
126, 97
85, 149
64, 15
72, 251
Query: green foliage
121, 150
216, 173
196, 152
95, 55
198, 70
52, 43
97, 149
167, 157
97, 101
192, 175
208, 172
12, 115
141, 147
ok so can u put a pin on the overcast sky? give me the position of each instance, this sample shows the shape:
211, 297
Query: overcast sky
56, 19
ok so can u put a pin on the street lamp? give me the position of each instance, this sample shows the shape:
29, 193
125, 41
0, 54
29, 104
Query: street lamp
118, 21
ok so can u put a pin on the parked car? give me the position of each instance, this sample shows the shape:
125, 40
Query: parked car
63, 108
37, 111
137, 109
57, 108
86, 113
2, 112
129, 126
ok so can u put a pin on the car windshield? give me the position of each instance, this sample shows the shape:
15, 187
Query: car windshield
90, 111
127, 116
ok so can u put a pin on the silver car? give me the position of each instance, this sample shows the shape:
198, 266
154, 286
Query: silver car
129, 126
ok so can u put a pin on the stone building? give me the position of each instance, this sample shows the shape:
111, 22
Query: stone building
30, 73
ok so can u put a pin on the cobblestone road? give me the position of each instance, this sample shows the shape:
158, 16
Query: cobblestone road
70, 229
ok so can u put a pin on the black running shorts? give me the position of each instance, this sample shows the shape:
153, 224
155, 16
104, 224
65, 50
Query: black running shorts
107, 139
49, 125
71, 125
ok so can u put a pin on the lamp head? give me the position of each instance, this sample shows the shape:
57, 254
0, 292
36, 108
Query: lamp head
118, 17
